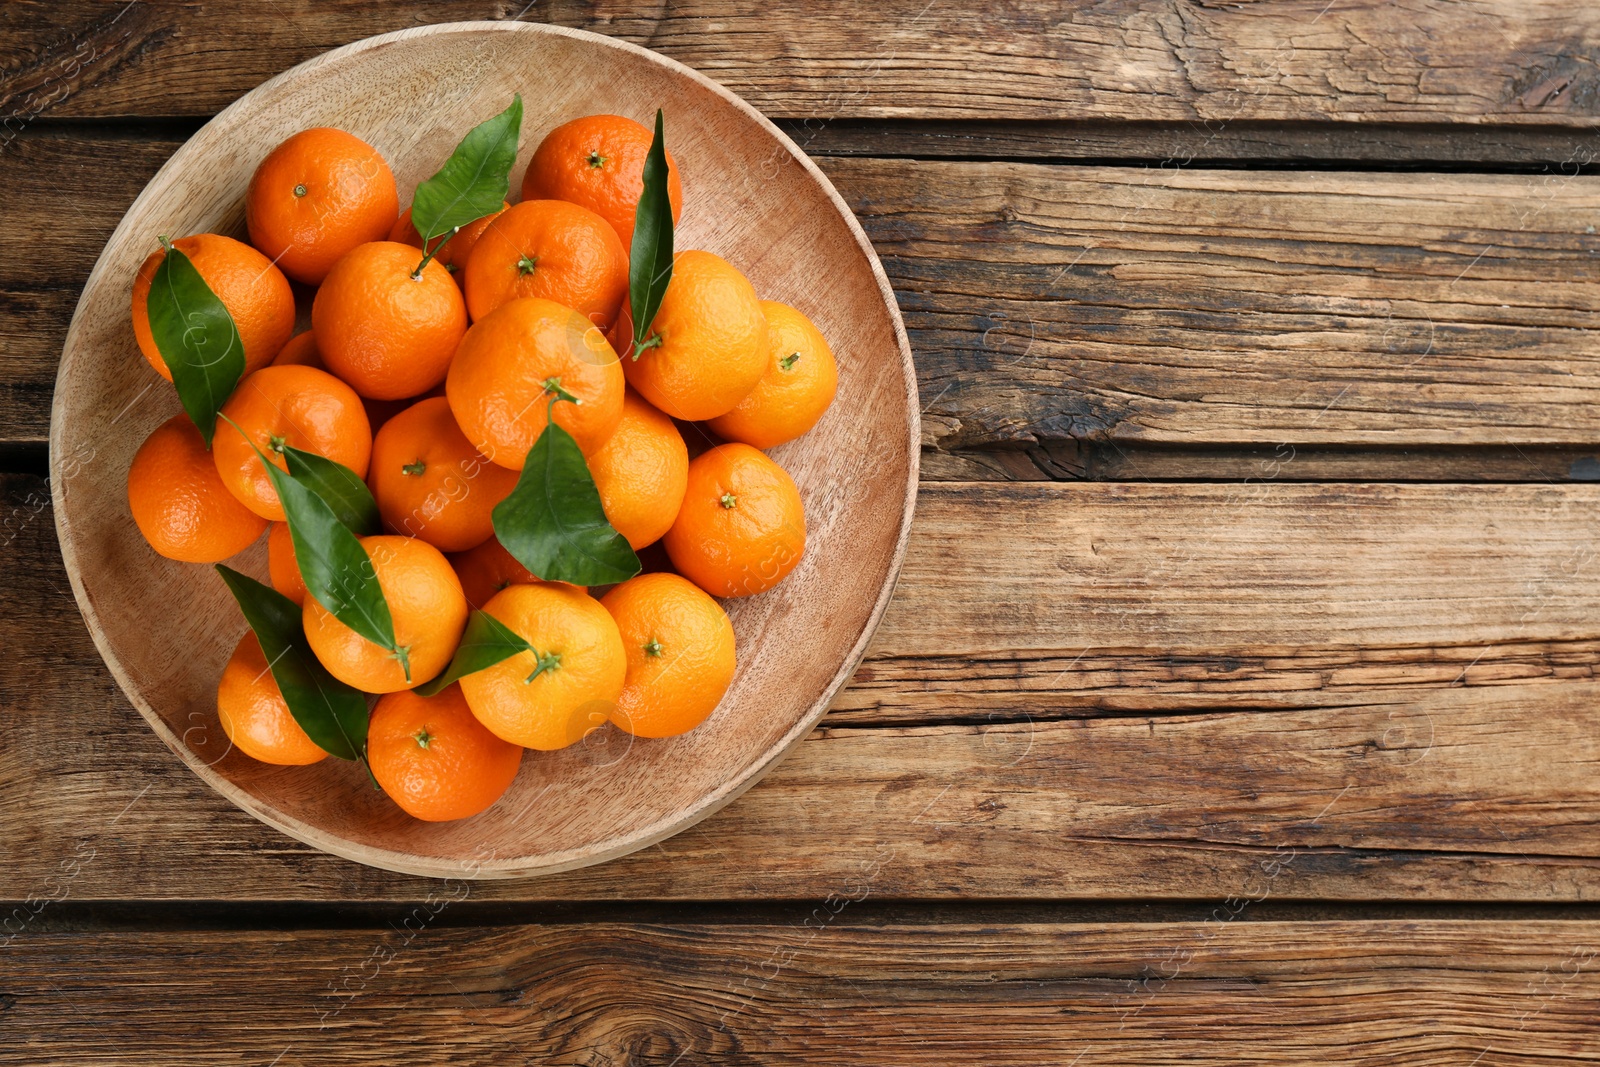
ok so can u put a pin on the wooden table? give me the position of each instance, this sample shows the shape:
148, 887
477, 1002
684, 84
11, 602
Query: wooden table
1237, 704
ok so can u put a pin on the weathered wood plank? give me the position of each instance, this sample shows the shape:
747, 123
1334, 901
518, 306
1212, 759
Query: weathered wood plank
1297, 60
1259, 308
824, 989
1422, 650
1290, 314
1250, 566
64, 196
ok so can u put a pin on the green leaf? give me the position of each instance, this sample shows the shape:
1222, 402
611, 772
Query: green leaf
486, 642
340, 488
552, 522
331, 713
650, 260
336, 569
197, 339
475, 179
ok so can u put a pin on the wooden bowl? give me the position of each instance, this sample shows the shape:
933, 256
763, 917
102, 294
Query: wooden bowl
166, 629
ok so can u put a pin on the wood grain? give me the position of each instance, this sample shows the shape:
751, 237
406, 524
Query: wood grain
1263, 308
64, 197
789, 233
1241, 696
1130, 362
1405, 61
822, 989
1258, 566
1425, 734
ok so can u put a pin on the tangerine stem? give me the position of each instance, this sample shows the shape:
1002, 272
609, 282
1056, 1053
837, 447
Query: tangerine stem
553, 385
403, 654
547, 661
651, 342
439, 241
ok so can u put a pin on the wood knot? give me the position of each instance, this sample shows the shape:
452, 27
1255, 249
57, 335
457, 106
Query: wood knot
1545, 93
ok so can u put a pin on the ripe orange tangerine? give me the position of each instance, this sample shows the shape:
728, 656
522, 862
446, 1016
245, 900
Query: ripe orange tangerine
501, 380
431, 483
710, 341
551, 699
179, 501
641, 472
426, 604
436, 760
316, 196
798, 385
598, 161
680, 649
385, 331
550, 249
300, 351
742, 526
303, 407
254, 714
282, 567
254, 291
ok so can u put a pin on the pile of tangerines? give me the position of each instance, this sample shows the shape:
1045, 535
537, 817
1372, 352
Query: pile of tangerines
433, 385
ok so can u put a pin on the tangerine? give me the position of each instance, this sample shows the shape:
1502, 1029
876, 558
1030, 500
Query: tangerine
254, 291
387, 332
300, 351
797, 387
303, 407
742, 527
282, 566
179, 501
316, 196
550, 698
641, 472
680, 649
598, 162
425, 603
500, 382
548, 248
435, 759
707, 347
431, 483
254, 714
